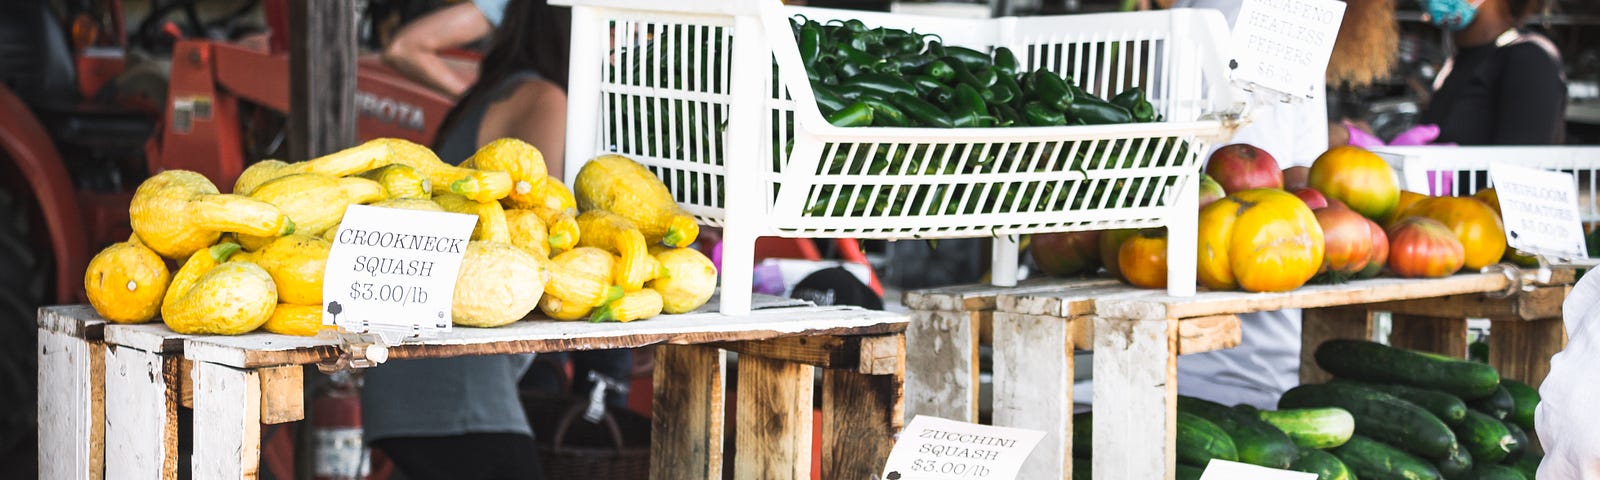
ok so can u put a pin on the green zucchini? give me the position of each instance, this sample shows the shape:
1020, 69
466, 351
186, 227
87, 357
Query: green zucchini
1377, 363
1378, 415
1457, 466
1370, 459
1447, 407
1486, 438
1082, 468
1258, 442
1324, 464
1186, 472
1529, 464
1521, 439
1525, 398
1496, 472
1083, 434
1498, 404
1199, 441
1313, 427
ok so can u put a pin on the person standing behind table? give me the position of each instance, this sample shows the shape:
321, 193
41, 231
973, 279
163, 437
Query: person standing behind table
1566, 422
462, 418
1504, 86
416, 49
1267, 361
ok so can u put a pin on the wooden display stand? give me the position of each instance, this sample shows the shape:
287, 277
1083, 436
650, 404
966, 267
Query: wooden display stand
122, 409
1136, 336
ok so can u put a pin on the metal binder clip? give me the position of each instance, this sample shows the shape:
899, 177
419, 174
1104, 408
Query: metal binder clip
1521, 280
356, 350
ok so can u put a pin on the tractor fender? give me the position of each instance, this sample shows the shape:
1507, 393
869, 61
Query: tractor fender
28, 147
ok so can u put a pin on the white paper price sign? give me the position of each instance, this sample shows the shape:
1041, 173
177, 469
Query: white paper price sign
1226, 470
1284, 45
1540, 210
933, 448
393, 272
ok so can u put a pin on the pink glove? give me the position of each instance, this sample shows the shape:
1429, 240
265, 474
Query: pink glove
1418, 135
1360, 138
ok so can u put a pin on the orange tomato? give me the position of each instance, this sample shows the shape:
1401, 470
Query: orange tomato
1475, 225
1407, 199
1421, 247
1111, 248
1143, 259
1490, 198
1262, 240
1358, 178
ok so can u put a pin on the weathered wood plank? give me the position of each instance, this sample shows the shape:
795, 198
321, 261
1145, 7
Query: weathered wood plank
71, 381
1069, 302
78, 321
1442, 335
1319, 325
774, 419
883, 355
1205, 334
942, 365
686, 426
322, 77
978, 297
861, 413
1376, 290
141, 414
1033, 387
282, 394
1521, 350
1135, 383
150, 337
266, 349
822, 351
1543, 302
227, 409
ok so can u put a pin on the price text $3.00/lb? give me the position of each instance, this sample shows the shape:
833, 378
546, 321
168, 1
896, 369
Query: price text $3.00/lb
401, 294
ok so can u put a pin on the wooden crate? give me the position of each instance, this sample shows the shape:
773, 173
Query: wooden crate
242, 382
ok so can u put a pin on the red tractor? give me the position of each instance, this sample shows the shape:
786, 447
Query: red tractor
88, 110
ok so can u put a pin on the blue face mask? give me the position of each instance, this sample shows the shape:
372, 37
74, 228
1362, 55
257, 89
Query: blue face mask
1452, 15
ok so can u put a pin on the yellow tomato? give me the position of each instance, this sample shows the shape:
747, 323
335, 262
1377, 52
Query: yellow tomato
1261, 240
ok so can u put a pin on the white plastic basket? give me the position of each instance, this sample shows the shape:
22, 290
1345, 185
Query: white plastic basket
1462, 171
705, 93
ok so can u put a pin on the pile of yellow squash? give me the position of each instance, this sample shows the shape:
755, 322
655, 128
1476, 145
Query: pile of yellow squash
254, 259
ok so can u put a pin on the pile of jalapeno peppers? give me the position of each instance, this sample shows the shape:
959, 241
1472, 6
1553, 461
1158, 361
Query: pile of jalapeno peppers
885, 77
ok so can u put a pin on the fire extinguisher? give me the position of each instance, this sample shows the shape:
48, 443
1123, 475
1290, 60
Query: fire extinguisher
339, 453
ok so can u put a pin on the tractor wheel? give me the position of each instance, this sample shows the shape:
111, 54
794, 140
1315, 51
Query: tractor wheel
23, 285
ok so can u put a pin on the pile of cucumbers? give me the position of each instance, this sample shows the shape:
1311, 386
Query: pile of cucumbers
1390, 414
893, 78
1420, 415
1283, 439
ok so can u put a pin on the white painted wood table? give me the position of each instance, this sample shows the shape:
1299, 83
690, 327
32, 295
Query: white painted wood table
241, 382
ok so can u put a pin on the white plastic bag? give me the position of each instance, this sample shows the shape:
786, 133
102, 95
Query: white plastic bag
1567, 422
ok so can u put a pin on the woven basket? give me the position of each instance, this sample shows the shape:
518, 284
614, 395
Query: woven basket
618, 447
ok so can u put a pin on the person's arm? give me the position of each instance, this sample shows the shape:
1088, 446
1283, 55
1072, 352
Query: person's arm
1532, 98
415, 50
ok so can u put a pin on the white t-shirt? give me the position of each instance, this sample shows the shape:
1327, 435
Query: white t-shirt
1566, 421
1267, 362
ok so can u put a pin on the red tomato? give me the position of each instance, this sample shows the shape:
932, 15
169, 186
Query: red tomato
1421, 247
